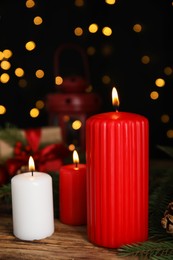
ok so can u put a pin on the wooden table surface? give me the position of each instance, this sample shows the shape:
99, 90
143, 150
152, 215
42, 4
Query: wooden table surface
67, 242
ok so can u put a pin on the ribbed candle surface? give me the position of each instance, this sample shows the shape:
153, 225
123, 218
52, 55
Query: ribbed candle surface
117, 178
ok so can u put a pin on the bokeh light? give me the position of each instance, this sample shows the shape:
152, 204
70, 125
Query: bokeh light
30, 3
4, 77
38, 20
30, 46
76, 124
78, 31
165, 118
5, 65
154, 95
39, 104
110, 2
39, 74
58, 80
145, 59
7, 53
34, 112
19, 72
170, 133
93, 28
137, 28
107, 31
2, 110
106, 79
160, 82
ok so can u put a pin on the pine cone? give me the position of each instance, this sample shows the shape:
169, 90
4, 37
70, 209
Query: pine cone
167, 220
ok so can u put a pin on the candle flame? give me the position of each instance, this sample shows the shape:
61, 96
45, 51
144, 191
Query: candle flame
75, 158
115, 99
31, 164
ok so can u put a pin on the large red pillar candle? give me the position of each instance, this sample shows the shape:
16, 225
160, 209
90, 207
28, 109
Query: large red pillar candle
72, 193
117, 178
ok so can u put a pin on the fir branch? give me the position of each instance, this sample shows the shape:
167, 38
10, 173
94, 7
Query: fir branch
11, 135
166, 149
5, 191
148, 250
160, 243
160, 195
168, 257
55, 181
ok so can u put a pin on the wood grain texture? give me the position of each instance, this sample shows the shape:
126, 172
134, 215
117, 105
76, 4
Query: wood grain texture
67, 242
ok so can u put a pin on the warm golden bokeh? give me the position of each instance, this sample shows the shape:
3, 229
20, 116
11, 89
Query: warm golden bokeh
30, 46
30, 3
165, 118
76, 124
93, 28
4, 78
160, 82
58, 80
39, 74
2, 110
145, 59
19, 72
39, 104
38, 20
137, 28
78, 31
110, 2
5, 65
107, 31
154, 95
34, 112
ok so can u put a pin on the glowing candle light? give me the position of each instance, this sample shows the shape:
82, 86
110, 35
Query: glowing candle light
32, 204
117, 177
75, 159
115, 99
31, 164
72, 192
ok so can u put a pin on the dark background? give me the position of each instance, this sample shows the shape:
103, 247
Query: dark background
133, 80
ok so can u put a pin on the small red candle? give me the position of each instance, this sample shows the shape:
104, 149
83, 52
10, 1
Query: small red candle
72, 192
117, 178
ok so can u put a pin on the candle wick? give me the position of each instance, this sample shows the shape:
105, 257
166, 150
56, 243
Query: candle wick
117, 108
76, 165
32, 173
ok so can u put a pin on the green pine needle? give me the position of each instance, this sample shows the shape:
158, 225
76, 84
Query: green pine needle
5, 191
148, 250
11, 134
166, 149
160, 244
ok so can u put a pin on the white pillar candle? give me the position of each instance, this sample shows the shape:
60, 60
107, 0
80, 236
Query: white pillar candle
32, 205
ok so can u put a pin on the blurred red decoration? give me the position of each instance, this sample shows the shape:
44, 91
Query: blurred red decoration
3, 175
48, 158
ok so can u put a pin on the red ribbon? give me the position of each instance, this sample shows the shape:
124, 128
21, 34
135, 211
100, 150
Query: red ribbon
33, 138
50, 153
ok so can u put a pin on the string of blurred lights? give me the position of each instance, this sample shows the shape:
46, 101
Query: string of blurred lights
79, 31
